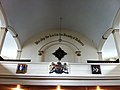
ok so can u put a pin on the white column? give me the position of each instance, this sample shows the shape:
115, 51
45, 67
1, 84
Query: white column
3, 32
116, 36
99, 55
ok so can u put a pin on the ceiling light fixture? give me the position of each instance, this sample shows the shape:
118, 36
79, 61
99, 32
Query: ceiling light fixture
41, 51
60, 22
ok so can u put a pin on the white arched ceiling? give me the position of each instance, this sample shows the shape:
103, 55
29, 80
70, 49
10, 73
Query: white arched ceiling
92, 18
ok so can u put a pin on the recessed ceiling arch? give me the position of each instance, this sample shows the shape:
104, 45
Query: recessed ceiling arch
90, 18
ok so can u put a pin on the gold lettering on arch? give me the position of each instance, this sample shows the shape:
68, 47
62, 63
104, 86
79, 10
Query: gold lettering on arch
57, 34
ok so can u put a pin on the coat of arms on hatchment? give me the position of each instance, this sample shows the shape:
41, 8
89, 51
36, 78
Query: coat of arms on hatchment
58, 67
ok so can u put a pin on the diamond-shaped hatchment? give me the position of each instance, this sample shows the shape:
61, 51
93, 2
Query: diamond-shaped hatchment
59, 53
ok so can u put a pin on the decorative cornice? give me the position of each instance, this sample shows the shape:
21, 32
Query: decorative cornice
61, 80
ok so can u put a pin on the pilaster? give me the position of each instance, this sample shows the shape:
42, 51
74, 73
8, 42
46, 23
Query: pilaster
99, 55
3, 32
116, 36
19, 53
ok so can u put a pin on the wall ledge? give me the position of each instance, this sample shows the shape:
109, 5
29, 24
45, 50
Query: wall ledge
64, 80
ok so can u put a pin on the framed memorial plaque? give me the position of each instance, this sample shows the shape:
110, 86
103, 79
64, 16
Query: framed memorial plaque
96, 69
21, 68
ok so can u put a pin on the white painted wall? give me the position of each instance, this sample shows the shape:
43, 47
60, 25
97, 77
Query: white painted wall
30, 49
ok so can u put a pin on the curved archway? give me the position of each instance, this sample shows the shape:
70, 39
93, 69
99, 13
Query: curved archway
9, 49
3, 18
107, 52
4, 23
104, 38
15, 36
115, 25
116, 22
46, 50
57, 41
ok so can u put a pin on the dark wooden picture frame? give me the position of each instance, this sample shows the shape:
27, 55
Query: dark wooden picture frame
96, 69
21, 68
